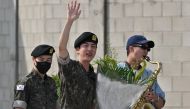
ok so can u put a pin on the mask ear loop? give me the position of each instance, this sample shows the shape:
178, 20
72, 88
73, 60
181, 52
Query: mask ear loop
34, 61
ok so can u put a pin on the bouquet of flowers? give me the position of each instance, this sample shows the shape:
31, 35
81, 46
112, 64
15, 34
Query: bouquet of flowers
109, 68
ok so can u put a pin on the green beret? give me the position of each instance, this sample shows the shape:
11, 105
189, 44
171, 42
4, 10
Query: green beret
42, 50
85, 37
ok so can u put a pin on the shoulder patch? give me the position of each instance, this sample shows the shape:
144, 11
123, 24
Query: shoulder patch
20, 87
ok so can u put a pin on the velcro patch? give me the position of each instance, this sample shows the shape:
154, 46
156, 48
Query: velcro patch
20, 87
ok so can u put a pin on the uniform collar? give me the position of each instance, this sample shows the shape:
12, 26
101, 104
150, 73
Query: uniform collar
36, 74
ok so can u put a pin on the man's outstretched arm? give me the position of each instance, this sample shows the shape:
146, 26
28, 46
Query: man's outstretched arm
73, 14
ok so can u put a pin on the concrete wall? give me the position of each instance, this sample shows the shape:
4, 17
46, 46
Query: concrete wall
167, 22
7, 52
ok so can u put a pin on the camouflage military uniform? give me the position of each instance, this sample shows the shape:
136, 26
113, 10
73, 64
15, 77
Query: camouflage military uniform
33, 92
78, 87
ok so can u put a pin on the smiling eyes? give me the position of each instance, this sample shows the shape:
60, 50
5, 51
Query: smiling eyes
86, 45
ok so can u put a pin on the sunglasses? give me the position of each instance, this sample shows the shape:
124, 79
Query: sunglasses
145, 47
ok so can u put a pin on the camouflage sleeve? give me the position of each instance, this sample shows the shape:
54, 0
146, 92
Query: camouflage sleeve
65, 66
20, 95
63, 60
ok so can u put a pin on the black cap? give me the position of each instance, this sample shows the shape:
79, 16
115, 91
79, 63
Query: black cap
139, 39
85, 37
42, 50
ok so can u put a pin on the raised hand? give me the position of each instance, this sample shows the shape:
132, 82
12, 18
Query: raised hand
150, 96
73, 10
73, 14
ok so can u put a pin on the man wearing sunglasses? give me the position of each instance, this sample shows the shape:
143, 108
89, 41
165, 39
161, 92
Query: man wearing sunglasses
137, 49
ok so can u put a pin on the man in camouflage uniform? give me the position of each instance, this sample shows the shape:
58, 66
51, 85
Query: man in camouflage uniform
78, 80
37, 90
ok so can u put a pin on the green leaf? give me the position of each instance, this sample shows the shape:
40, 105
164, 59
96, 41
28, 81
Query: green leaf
58, 83
108, 67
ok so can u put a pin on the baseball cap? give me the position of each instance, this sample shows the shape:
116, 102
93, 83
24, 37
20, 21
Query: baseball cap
42, 50
139, 39
86, 37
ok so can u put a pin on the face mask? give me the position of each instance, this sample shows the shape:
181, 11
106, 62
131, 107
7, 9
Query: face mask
43, 67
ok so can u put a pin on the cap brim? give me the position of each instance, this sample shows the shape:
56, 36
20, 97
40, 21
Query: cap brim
148, 42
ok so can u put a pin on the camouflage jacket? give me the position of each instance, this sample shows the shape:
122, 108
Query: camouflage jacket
78, 87
34, 92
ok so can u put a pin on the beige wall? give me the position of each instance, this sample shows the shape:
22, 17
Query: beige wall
7, 52
167, 22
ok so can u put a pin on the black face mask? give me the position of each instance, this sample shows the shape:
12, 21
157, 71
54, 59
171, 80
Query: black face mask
43, 67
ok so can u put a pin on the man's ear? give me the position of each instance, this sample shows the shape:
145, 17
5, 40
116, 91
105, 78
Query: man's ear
33, 60
77, 50
131, 48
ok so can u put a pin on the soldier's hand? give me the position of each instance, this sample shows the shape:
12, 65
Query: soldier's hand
73, 10
150, 96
